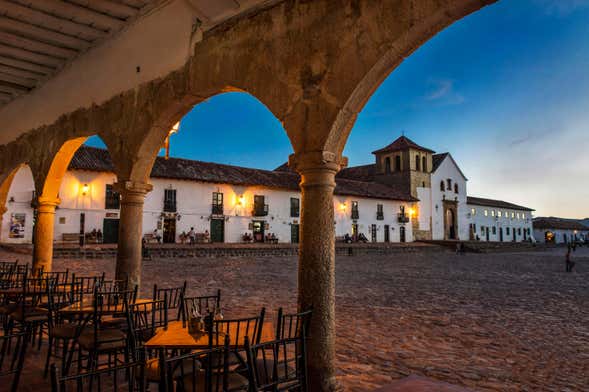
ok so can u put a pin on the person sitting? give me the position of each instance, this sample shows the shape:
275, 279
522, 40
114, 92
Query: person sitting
183, 237
362, 238
157, 236
347, 239
207, 236
274, 239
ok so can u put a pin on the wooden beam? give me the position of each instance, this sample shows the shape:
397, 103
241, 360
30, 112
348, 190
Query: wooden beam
22, 54
77, 13
36, 46
39, 18
24, 82
12, 89
42, 34
23, 73
119, 10
37, 68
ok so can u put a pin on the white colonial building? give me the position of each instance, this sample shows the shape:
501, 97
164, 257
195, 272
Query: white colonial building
552, 230
499, 221
408, 194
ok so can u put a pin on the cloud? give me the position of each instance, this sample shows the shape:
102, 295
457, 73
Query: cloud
443, 92
562, 7
530, 137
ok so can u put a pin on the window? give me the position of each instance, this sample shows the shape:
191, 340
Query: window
523, 215
355, 212
499, 214
492, 212
482, 229
112, 199
486, 213
473, 211
294, 207
507, 231
424, 164
517, 215
494, 230
387, 165
260, 206
442, 188
397, 163
506, 215
379, 212
169, 200
455, 188
474, 227
519, 231
62, 220
449, 182
217, 208
417, 163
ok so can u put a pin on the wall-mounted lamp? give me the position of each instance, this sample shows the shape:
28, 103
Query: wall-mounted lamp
241, 200
342, 206
85, 189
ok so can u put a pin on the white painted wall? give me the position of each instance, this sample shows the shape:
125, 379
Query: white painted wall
448, 169
425, 206
19, 202
559, 235
509, 220
194, 201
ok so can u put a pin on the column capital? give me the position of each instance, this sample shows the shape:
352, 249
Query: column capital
47, 204
317, 160
125, 187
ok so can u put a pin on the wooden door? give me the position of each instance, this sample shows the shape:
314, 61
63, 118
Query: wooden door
217, 230
110, 231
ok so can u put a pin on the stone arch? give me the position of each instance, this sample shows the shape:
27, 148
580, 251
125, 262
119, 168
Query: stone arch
6, 183
426, 21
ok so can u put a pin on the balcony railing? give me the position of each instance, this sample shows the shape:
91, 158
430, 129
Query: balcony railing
355, 214
217, 209
379, 216
403, 218
260, 210
169, 206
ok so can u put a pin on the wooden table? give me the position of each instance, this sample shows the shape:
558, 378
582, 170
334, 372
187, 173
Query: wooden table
177, 337
16, 291
86, 307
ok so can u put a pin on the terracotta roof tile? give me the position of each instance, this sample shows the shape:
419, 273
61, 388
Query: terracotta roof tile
479, 201
402, 143
96, 159
558, 223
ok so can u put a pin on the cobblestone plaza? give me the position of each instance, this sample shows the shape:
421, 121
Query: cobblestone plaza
499, 321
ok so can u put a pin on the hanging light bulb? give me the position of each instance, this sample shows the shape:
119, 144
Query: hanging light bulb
172, 131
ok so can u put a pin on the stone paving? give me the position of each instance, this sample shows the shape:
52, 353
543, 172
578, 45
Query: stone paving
507, 322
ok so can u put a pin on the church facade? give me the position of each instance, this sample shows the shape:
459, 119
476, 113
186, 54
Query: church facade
409, 193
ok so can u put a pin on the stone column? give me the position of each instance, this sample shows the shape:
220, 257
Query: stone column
316, 274
3, 210
130, 230
43, 246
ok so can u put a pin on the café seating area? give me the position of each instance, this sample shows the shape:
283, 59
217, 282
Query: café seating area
101, 335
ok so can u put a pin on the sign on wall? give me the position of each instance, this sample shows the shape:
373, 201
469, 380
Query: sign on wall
17, 226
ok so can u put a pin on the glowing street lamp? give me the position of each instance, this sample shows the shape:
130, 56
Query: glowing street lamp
172, 131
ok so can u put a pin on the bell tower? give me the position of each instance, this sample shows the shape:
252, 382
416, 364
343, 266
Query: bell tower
405, 165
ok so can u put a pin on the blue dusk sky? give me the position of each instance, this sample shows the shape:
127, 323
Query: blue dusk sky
505, 91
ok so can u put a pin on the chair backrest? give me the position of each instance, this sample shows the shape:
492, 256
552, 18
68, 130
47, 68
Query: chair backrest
107, 304
202, 305
61, 277
8, 266
174, 297
87, 284
236, 329
114, 285
280, 365
128, 377
184, 372
145, 318
13, 349
293, 325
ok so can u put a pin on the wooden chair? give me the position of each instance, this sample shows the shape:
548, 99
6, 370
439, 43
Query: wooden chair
97, 339
207, 370
174, 296
279, 365
61, 277
293, 325
202, 305
128, 377
11, 362
238, 329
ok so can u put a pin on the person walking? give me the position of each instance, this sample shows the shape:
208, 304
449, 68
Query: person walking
569, 263
192, 236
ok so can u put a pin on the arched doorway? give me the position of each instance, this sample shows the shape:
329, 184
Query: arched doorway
450, 222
